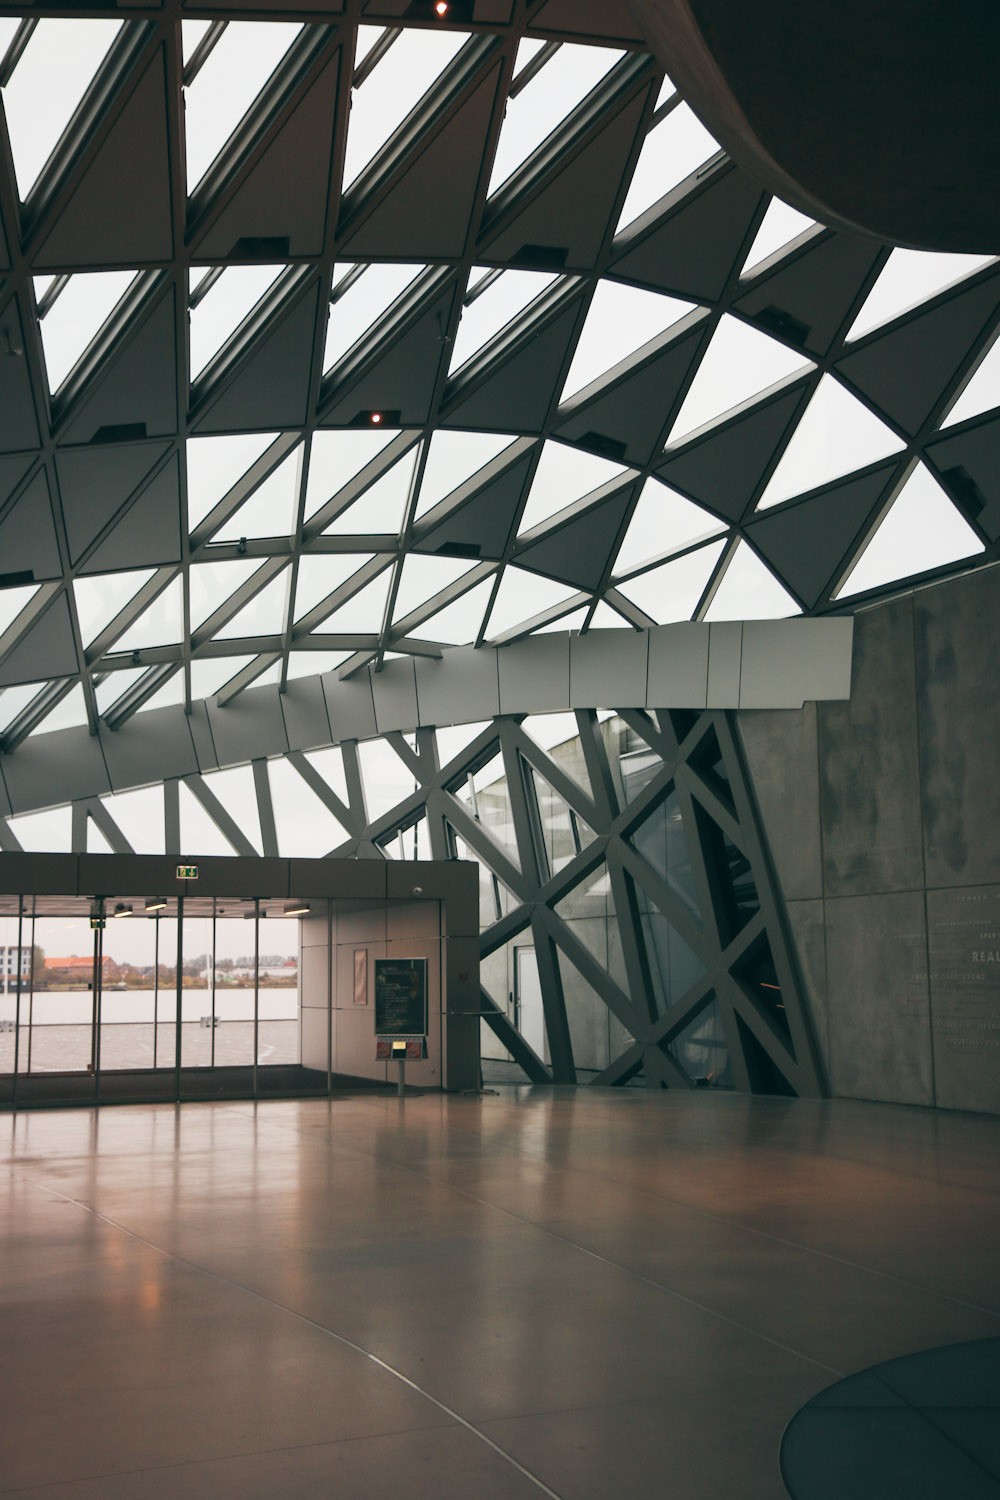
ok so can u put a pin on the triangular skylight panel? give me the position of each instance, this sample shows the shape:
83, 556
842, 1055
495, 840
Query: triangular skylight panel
671, 151
545, 101
170, 695
211, 584
198, 830
115, 686
330, 765
363, 303
310, 663
307, 829
96, 842
663, 521
335, 458
139, 815
908, 278
214, 464
575, 620
50, 830
264, 614
620, 320
520, 597
491, 309
51, 77
835, 435
381, 508
160, 624
363, 613
563, 475
922, 530
77, 315
453, 457
739, 364
386, 779
270, 511
396, 84
236, 790
226, 85
606, 618
218, 314
458, 623
982, 392
69, 713
212, 673
750, 591
12, 602
100, 598
422, 578
320, 574
779, 226
14, 700
672, 591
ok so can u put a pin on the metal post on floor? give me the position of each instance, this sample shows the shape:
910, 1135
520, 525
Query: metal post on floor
401, 1088
256, 989
17, 1003
180, 999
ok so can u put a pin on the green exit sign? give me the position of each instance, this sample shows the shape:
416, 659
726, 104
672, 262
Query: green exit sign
187, 872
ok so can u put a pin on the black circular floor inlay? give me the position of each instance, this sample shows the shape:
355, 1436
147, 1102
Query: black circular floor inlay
924, 1427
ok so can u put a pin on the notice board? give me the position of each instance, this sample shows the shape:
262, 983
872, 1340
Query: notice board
400, 997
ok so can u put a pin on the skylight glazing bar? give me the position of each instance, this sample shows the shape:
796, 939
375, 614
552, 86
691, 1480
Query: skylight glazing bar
202, 52
533, 67
375, 54
12, 56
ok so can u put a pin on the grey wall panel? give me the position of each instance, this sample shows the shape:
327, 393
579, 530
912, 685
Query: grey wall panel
724, 648
39, 874
462, 688
158, 745
534, 675
304, 708
879, 1012
57, 767
362, 878
807, 923
421, 919
201, 735
248, 727
349, 706
781, 668
957, 643
313, 1032
782, 758
678, 666
607, 668
872, 839
394, 692
963, 939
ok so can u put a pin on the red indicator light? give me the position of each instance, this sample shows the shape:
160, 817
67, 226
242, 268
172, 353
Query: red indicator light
376, 418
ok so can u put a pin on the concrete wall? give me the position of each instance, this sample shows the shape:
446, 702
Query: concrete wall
883, 820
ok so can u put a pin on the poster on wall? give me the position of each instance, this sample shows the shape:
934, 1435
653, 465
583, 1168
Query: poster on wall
400, 996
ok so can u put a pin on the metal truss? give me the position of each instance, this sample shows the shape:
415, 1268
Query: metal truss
694, 973
94, 472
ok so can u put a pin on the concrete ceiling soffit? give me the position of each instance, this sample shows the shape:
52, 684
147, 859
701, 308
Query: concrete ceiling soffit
517, 395
611, 20
401, 374
279, 195
484, 521
694, 249
18, 423
46, 650
149, 533
28, 535
424, 210
966, 465
723, 469
94, 484
578, 551
810, 542
812, 297
570, 213
118, 211
626, 417
906, 370
268, 384
135, 388
920, 82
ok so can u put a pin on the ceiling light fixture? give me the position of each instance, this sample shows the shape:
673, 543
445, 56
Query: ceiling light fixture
441, 8
298, 910
376, 418
121, 910
158, 903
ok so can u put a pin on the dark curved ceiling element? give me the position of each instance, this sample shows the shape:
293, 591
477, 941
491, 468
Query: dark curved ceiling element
875, 117
325, 341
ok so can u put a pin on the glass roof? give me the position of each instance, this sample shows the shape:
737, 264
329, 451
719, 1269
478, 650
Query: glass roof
336, 408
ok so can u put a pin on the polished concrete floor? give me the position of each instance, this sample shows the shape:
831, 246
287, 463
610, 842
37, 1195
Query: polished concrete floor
569, 1293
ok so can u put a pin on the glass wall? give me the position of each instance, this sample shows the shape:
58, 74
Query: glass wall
89, 995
